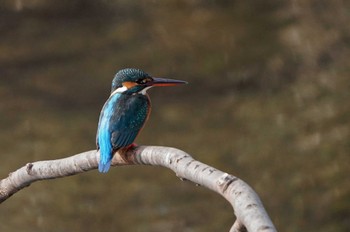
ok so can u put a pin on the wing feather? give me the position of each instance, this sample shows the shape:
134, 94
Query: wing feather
128, 120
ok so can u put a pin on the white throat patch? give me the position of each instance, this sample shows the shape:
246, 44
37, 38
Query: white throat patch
145, 89
119, 90
124, 88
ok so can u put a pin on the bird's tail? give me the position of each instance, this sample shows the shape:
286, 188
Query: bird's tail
103, 167
105, 156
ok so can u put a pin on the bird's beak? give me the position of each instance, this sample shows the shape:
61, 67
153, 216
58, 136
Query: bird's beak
165, 82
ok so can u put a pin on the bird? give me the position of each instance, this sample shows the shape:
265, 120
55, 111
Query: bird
125, 112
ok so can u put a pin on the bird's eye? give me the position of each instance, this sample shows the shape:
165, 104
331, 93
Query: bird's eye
142, 81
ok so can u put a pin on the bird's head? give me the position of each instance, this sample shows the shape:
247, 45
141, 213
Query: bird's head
132, 81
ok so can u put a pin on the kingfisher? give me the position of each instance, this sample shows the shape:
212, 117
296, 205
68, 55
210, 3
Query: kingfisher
125, 112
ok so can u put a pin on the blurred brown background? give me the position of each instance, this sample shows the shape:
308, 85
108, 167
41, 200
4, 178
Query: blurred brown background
268, 101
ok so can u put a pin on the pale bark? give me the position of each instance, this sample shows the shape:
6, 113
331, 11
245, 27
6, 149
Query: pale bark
248, 209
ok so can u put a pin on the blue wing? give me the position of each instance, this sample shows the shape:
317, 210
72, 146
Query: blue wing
121, 119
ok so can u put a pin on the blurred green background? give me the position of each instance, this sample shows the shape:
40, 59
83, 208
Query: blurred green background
268, 101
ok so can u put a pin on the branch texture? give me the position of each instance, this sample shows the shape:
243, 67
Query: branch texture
249, 211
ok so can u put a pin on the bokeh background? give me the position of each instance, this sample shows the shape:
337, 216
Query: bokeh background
268, 101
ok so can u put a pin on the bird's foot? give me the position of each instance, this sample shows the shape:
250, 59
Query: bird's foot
123, 150
131, 146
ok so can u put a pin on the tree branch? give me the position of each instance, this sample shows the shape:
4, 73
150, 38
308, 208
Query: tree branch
249, 211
